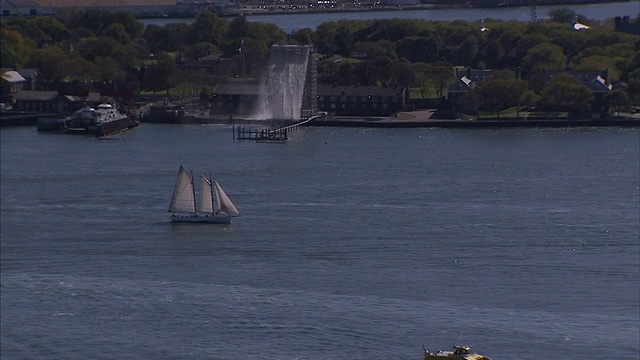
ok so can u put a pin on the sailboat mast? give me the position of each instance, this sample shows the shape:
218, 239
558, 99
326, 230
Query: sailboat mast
213, 203
193, 187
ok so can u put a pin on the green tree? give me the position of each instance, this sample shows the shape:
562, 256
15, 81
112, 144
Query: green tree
598, 62
325, 36
49, 30
117, 32
526, 43
168, 38
633, 76
201, 49
161, 75
80, 69
208, 27
92, 19
509, 39
91, 48
110, 70
438, 77
418, 49
15, 48
562, 15
374, 50
529, 98
346, 74
132, 26
304, 36
402, 73
498, 93
238, 28
566, 93
544, 56
618, 100
344, 40
420, 79
467, 52
328, 72
50, 62
269, 34
494, 54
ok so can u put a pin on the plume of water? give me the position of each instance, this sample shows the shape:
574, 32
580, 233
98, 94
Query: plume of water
283, 86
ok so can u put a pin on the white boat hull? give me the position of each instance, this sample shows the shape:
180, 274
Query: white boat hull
201, 218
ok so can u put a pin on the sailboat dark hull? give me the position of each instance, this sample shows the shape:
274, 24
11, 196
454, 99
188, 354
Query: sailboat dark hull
201, 218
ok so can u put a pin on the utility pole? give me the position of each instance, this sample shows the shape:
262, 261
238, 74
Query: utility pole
534, 15
242, 53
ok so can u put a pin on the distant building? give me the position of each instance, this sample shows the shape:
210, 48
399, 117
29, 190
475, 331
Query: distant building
11, 83
32, 77
244, 100
240, 100
361, 100
214, 64
38, 101
465, 79
514, 3
596, 80
72, 103
623, 24
401, 2
23, 8
104, 3
139, 8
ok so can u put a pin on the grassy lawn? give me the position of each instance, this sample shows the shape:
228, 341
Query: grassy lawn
416, 94
512, 113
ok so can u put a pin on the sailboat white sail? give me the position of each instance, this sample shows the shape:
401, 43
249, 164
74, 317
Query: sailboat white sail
224, 204
183, 200
206, 195
214, 204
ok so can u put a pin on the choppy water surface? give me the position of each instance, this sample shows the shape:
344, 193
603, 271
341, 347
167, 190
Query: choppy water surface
353, 244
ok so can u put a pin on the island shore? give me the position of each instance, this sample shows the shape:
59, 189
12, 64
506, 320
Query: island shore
423, 118
407, 119
248, 10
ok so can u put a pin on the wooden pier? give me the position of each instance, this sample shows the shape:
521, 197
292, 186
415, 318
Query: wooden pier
266, 135
279, 134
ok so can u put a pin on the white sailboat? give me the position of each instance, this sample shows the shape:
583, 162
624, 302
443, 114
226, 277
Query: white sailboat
214, 204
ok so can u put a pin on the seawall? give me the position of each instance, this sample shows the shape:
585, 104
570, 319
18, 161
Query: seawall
19, 118
459, 123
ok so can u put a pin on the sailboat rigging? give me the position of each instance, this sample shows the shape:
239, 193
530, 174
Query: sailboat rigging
212, 205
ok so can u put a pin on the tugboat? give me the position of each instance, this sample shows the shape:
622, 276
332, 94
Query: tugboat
460, 352
102, 121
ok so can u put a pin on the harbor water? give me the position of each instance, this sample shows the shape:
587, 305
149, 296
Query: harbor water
352, 244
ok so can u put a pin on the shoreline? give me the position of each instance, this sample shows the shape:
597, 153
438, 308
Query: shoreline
423, 118
291, 9
409, 120
412, 119
482, 123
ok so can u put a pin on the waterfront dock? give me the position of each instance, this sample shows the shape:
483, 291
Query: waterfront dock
423, 118
265, 135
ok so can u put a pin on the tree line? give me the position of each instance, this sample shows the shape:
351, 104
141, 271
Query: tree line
114, 47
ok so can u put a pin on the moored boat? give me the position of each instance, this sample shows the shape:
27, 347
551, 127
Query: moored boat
165, 112
460, 352
101, 121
